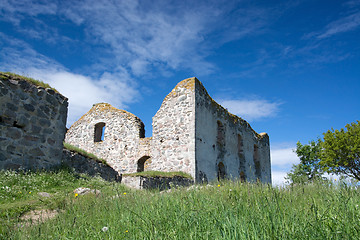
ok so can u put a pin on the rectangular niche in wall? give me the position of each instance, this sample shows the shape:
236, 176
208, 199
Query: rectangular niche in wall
257, 163
99, 132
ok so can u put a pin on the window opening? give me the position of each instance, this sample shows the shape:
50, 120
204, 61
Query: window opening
220, 138
240, 148
257, 162
221, 171
99, 132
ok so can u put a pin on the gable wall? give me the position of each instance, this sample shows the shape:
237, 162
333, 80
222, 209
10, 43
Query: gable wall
121, 139
173, 140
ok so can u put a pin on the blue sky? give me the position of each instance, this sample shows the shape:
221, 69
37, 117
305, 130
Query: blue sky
290, 68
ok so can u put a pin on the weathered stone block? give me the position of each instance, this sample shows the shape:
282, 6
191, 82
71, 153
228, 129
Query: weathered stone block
14, 133
44, 122
29, 107
2, 157
36, 152
51, 141
51, 99
35, 129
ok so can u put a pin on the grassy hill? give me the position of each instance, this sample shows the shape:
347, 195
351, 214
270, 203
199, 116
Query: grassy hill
225, 210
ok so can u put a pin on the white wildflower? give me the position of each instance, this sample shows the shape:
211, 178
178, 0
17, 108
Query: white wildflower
104, 229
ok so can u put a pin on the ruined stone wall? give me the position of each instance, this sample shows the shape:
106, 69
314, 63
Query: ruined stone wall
82, 164
225, 144
120, 144
32, 124
191, 133
160, 183
173, 140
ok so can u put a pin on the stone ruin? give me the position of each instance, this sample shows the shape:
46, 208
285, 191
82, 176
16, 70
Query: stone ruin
191, 133
32, 124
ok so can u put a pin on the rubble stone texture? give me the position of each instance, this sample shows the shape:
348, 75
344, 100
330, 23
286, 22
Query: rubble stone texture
32, 124
191, 133
82, 164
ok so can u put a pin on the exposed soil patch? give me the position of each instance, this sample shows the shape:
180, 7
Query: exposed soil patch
38, 216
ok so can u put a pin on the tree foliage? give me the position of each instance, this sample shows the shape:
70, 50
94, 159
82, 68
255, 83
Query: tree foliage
338, 152
308, 169
341, 151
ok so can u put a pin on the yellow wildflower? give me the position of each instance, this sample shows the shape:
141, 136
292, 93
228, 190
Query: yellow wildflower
76, 194
124, 193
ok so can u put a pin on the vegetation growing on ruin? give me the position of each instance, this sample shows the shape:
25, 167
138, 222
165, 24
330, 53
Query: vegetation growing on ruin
6, 75
158, 174
84, 153
225, 210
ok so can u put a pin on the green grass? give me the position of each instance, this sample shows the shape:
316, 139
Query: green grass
158, 174
225, 211
4, 75
84, 153
19, 193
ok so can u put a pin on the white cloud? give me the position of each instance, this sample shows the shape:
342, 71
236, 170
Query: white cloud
84, 91
251, 109
346, 24
173, 33
116, 88
278, 178
14, 10
284, 157
142, 35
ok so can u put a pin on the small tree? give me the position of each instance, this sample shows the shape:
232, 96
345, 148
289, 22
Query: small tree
308, 169
341, 151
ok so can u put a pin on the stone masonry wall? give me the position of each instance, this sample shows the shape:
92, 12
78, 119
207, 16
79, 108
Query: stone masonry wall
173, 140
32, 124
82, 164
223, 139
160, 183
191, 133
120, 145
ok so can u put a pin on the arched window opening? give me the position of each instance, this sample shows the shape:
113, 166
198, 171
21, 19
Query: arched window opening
257, 162
221, 174
242, 176
220, 137
141, 163
99, 132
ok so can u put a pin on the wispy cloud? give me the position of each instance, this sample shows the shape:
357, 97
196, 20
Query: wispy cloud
251, 109
143, 36
341, 25
14, 11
